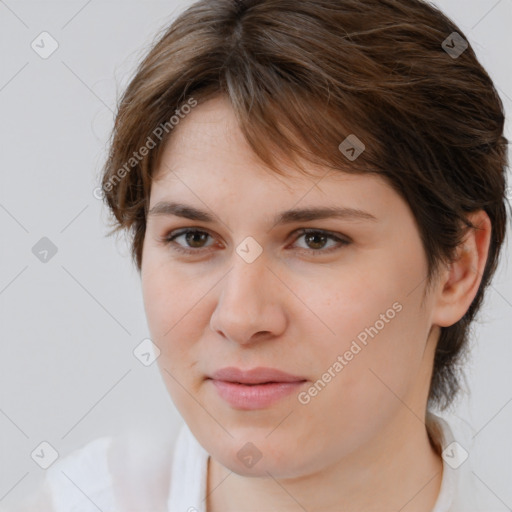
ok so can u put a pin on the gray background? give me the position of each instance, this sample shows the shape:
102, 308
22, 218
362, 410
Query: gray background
69, 325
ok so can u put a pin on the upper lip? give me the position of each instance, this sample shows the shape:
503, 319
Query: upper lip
259, 375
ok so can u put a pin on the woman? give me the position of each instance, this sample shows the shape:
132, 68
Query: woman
316, 194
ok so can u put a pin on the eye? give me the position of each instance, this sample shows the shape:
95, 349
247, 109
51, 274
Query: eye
194, 237
315, 238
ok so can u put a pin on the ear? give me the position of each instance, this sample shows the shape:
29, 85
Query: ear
460, 282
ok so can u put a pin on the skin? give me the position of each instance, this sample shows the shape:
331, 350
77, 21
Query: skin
359, 444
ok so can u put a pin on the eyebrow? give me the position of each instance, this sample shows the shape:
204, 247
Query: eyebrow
285, 217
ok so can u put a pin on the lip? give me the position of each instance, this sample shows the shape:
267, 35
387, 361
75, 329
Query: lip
256, 388
259, 375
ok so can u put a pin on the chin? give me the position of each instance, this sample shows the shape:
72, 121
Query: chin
258, 456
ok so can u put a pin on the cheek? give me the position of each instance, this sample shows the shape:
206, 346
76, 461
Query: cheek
364, 367
175, 304
165, 303
171, 316
169, 295
372, 321
159, 301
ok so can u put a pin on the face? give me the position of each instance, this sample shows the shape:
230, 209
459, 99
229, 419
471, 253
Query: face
338, 307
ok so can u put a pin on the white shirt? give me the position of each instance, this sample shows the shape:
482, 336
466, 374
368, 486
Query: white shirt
135, 475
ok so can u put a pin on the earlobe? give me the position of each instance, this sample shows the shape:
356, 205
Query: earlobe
461, 281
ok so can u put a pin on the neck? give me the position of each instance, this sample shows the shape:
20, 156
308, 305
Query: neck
399, 470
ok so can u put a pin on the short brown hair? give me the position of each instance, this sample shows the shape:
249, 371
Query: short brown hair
301, 77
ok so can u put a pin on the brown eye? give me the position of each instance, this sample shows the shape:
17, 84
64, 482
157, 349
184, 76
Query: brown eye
194, 240
316, 241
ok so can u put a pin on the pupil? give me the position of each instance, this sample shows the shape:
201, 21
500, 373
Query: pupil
191, 237
313, 235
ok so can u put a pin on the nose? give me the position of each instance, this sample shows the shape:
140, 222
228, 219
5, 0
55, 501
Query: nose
251, 305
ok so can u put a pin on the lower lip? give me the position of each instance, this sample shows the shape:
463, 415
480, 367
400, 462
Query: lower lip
259, 396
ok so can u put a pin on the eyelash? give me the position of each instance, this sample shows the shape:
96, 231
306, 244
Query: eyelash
169, 240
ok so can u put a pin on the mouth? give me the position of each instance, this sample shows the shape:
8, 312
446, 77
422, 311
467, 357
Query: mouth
255, 376
257, 388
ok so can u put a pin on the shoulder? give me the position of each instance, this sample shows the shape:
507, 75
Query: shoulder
77, 482
81, 480
128, 472
462, 489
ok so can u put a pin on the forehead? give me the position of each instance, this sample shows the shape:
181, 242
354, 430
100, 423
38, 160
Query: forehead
208, 148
